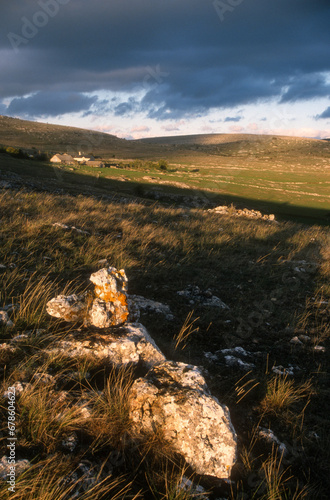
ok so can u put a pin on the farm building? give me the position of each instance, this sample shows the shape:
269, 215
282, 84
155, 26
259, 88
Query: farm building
58, 158
95, 163
84, 158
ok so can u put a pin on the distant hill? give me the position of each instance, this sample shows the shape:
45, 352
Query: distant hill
56, 138
239, 145
185, 148
203, 139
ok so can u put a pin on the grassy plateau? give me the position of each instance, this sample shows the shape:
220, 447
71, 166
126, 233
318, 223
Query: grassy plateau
151, 218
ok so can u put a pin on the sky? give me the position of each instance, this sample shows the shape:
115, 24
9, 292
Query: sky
146, 68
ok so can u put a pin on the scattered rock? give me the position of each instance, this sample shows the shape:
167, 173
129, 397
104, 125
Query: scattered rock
7, 347
60, 225
147, 305
240, 351
234, 361
72, 228
174, 398
44, 378
280, 370
5, 185
319, 348
18, 387
270, 437
5, 320
305, 339
296, 341
250, 214
205, 299
232, 357
70, 442
19, 338
195, 490
6, 469
83, 478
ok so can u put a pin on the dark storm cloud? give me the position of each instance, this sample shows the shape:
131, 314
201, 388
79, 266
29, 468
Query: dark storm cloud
125, 108
307, 87
325, 114
186, 56
50, 104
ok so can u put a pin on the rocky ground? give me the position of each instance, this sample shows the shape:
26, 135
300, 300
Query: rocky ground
237, 305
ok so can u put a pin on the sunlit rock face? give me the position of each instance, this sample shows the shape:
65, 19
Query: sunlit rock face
107, 307
174, 398
68, 307
131, 345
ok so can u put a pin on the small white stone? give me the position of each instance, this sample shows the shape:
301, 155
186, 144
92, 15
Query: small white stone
319, 348
295, 341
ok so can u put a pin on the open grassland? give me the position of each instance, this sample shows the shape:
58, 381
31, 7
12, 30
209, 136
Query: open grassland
286, 175
274, 277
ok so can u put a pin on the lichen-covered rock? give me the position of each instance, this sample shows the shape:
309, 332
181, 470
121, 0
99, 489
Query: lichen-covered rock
109, 281
110, 306
133, 310
5, 320
107, 307
174, 398
130, 345
6, 468
147, 305
68, 307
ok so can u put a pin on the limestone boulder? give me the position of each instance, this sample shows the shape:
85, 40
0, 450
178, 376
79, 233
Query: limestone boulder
108, 306
129, 345
174, 398
68, 307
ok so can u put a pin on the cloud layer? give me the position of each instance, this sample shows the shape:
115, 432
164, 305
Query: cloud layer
167, 59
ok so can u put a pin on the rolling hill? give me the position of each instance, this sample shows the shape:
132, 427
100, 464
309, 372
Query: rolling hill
289, 176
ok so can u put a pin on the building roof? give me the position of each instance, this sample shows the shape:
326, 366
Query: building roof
63, 157
84, 157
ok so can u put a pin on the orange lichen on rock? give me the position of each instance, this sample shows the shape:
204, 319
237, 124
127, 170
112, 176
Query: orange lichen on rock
107, 306
110, 290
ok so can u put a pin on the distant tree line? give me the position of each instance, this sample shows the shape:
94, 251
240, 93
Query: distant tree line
34, 154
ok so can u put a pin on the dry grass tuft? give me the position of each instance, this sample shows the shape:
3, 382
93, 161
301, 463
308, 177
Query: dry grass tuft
282, 393
44, 418
187, 329
59, 478
110, 423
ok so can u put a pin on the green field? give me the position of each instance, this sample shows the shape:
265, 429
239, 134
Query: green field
285, 175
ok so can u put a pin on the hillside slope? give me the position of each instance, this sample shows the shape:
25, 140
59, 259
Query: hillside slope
57, 138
